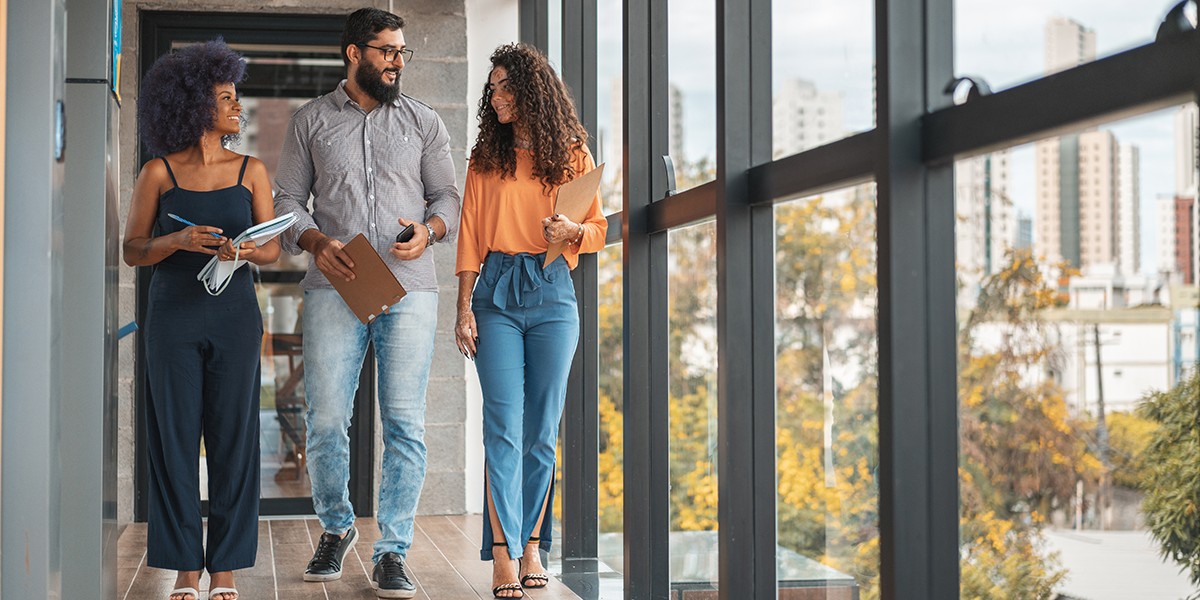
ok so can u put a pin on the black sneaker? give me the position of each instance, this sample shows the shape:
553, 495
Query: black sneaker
326, 563
390, 579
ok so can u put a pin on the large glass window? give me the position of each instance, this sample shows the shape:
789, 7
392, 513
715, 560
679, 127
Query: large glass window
823, 72
609, 98
611, 462
1008, 43
692, 360
692, 90
1067, 343
827, 381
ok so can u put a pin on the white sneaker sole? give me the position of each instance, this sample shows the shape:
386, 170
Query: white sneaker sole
318, 578
392, 593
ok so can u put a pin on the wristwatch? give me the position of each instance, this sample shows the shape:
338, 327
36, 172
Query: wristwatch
432, 235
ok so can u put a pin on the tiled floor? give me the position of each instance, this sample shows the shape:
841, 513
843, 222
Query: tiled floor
444, 560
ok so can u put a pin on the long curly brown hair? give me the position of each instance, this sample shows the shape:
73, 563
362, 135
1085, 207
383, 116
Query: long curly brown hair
545, 109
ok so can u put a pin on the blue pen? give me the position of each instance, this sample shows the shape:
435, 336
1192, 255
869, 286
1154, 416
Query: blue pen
187, 222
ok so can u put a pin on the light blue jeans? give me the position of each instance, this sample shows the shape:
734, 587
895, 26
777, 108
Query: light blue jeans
335, 343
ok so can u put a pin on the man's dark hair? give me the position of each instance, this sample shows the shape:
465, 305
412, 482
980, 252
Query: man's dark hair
363, 25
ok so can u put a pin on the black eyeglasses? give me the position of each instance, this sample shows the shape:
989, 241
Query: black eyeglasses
390, 54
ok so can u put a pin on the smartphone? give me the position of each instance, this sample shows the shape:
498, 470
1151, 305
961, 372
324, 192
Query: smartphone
405, 235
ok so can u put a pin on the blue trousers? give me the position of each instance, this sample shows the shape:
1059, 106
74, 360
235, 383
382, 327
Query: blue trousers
528, 329
202, 363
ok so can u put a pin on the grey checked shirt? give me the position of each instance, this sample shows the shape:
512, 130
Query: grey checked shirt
364, 170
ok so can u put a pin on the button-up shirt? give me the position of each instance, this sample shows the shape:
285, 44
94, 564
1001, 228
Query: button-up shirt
364, 170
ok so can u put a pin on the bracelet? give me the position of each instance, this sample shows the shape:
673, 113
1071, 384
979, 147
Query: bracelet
432, 235
579, 236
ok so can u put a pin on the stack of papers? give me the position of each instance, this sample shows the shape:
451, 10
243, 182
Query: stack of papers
216, 274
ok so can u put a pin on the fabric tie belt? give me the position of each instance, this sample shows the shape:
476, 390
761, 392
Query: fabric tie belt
519, 280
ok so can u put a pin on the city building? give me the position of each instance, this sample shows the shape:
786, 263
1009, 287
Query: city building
1177, 238
1129, 221
805, 117
986, 221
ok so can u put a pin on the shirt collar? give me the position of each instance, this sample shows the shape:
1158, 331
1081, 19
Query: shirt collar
340, 98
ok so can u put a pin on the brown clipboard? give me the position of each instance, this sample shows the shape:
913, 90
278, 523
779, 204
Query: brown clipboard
574, 199
374, 288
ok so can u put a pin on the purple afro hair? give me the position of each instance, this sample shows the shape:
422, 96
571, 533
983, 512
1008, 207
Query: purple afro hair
177, 104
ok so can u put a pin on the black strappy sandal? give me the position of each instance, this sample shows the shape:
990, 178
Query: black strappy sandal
511, 586
540, 580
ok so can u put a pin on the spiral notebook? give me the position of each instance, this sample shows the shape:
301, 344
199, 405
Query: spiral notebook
216, 274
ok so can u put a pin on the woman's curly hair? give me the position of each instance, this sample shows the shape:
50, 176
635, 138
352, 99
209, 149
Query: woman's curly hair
177, 105
544, 105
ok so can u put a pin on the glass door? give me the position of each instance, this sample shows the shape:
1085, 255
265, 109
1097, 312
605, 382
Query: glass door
290, 60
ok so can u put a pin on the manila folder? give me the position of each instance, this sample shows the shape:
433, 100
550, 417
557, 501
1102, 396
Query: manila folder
374, 288
574, 199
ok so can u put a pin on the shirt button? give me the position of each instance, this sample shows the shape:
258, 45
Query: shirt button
368, 142
372, 196
368, 169
372, 226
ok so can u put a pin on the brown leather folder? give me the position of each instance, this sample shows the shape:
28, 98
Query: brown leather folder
374, 288
574, 199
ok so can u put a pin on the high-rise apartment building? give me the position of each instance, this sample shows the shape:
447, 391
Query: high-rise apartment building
1179, 239
805, 117
1129, 223
1076, 175
1187, 130
986, 225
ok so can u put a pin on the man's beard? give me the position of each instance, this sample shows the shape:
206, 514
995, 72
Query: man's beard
370, 80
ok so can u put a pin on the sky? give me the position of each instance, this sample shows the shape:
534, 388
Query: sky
831, 43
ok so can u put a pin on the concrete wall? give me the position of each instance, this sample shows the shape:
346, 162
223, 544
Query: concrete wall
437, 29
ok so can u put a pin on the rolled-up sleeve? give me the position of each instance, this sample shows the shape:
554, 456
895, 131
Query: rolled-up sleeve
437, 174
293, 183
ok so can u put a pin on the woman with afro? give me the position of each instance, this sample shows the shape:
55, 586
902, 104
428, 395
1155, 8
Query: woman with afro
201, 350
518, 321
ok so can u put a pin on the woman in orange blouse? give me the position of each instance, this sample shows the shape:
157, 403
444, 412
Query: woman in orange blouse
518, 321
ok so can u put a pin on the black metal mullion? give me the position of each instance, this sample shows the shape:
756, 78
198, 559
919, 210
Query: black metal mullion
644, 293
581, 422
917, 376
745, 307
1153, 76
533, 23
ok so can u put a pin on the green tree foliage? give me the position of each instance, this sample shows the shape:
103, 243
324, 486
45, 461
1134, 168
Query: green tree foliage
1172, 484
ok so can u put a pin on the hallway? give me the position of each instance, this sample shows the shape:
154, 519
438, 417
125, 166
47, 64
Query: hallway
444, 560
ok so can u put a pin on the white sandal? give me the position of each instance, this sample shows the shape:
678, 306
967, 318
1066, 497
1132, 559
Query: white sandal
225, 591
184, 592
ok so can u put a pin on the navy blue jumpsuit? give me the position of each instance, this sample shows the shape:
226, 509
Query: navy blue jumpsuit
202, 362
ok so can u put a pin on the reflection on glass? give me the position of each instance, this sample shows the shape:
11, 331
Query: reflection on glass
827, 380
823, 72
692, 363
692, 92
1073, 309
1008, 43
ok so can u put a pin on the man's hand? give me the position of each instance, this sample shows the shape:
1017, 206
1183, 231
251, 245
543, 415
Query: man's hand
415, 246
331, 259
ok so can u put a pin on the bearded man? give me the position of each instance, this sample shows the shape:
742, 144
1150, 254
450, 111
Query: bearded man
374, 161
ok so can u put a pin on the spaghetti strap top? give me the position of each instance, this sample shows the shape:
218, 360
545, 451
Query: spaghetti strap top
227, 208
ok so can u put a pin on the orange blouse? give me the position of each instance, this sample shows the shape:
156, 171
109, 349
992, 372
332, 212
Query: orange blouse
505, 214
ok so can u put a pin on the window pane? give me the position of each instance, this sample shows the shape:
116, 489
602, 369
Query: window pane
1009, 43
1071, 313
609, 98
823, 72
692, 91
827, 380
692, 360
611, 485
